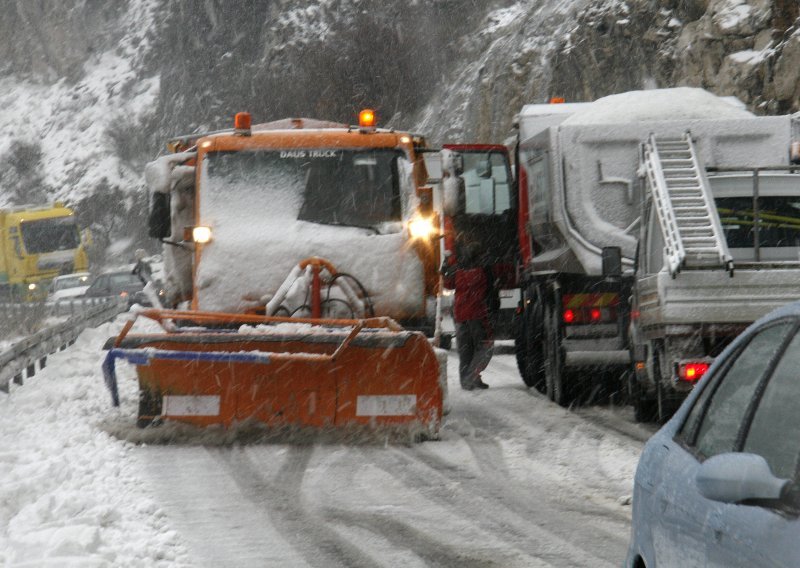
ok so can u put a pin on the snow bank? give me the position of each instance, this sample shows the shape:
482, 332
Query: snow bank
71, 494
682, 103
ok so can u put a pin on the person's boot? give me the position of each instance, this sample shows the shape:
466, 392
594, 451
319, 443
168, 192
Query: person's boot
479, 384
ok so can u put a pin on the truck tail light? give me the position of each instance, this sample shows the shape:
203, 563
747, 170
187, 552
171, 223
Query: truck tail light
589, 315
692, 371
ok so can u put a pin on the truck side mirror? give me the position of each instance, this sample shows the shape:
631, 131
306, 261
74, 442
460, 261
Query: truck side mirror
484, 168
612, 261
158, 222
86, 237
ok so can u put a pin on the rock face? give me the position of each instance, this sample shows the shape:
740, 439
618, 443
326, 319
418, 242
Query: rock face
585, 49
103, 84
731, 47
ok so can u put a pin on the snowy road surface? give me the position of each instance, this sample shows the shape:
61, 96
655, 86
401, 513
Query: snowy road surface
514, 481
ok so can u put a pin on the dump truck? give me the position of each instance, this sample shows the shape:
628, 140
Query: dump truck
301, 275
627, 280
39, 243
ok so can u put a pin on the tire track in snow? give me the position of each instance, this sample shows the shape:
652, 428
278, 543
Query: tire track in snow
532, 513
499, 424
547, 502
281, 498
402, 535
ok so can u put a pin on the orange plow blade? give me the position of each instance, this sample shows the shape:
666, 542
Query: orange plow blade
227, 369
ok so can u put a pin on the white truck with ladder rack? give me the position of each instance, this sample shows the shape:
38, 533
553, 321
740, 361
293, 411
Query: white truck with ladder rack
625, 257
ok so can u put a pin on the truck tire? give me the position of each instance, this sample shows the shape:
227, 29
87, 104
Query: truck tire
529, 350
559, 389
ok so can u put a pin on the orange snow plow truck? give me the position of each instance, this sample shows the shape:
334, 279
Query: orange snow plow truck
301, 277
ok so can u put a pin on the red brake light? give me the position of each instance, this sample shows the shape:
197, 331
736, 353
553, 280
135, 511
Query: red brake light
569, 316
595, 314
692, 371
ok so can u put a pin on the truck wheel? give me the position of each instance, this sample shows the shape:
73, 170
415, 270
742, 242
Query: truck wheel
557, 379
529, 350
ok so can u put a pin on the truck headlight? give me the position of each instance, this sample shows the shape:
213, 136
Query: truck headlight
421, 228
201, 234
32, 286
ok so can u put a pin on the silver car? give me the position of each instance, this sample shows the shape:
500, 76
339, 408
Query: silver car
718, 484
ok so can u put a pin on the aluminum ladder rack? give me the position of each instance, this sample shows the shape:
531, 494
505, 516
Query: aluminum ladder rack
693, 236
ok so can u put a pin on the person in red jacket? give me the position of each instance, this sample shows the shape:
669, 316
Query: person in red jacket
474, 337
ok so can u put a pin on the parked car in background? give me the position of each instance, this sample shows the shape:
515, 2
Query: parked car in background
68, 286
718, 485
118, 283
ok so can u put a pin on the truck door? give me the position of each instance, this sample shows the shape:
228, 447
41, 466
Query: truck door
489, 206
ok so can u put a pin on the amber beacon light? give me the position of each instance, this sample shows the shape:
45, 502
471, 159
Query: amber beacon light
242, 121
366, 118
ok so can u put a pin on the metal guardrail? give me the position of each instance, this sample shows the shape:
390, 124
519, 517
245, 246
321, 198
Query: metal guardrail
23, 356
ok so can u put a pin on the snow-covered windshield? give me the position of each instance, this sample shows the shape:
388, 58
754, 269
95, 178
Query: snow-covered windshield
334, 186
47, 235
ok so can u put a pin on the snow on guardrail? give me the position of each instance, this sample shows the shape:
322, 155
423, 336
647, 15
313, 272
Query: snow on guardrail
24, 355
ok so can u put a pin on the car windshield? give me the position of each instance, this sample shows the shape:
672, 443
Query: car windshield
330, 186
124, 280
66, 282
48, 235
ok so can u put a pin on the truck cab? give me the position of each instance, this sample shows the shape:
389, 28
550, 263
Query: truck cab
39, 243
259, 200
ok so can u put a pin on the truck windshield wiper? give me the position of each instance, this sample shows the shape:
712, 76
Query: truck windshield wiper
339, 224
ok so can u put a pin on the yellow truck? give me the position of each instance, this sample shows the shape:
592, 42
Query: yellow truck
39, 242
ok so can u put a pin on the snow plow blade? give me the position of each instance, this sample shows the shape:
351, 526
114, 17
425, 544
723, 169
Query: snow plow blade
226, 369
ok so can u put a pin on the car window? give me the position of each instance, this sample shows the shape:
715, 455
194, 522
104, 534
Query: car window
774, 431
124, 279
731, 396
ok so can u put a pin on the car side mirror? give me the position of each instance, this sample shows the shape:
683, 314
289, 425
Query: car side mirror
735, 477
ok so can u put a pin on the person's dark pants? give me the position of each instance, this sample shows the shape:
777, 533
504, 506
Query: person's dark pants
475, 349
